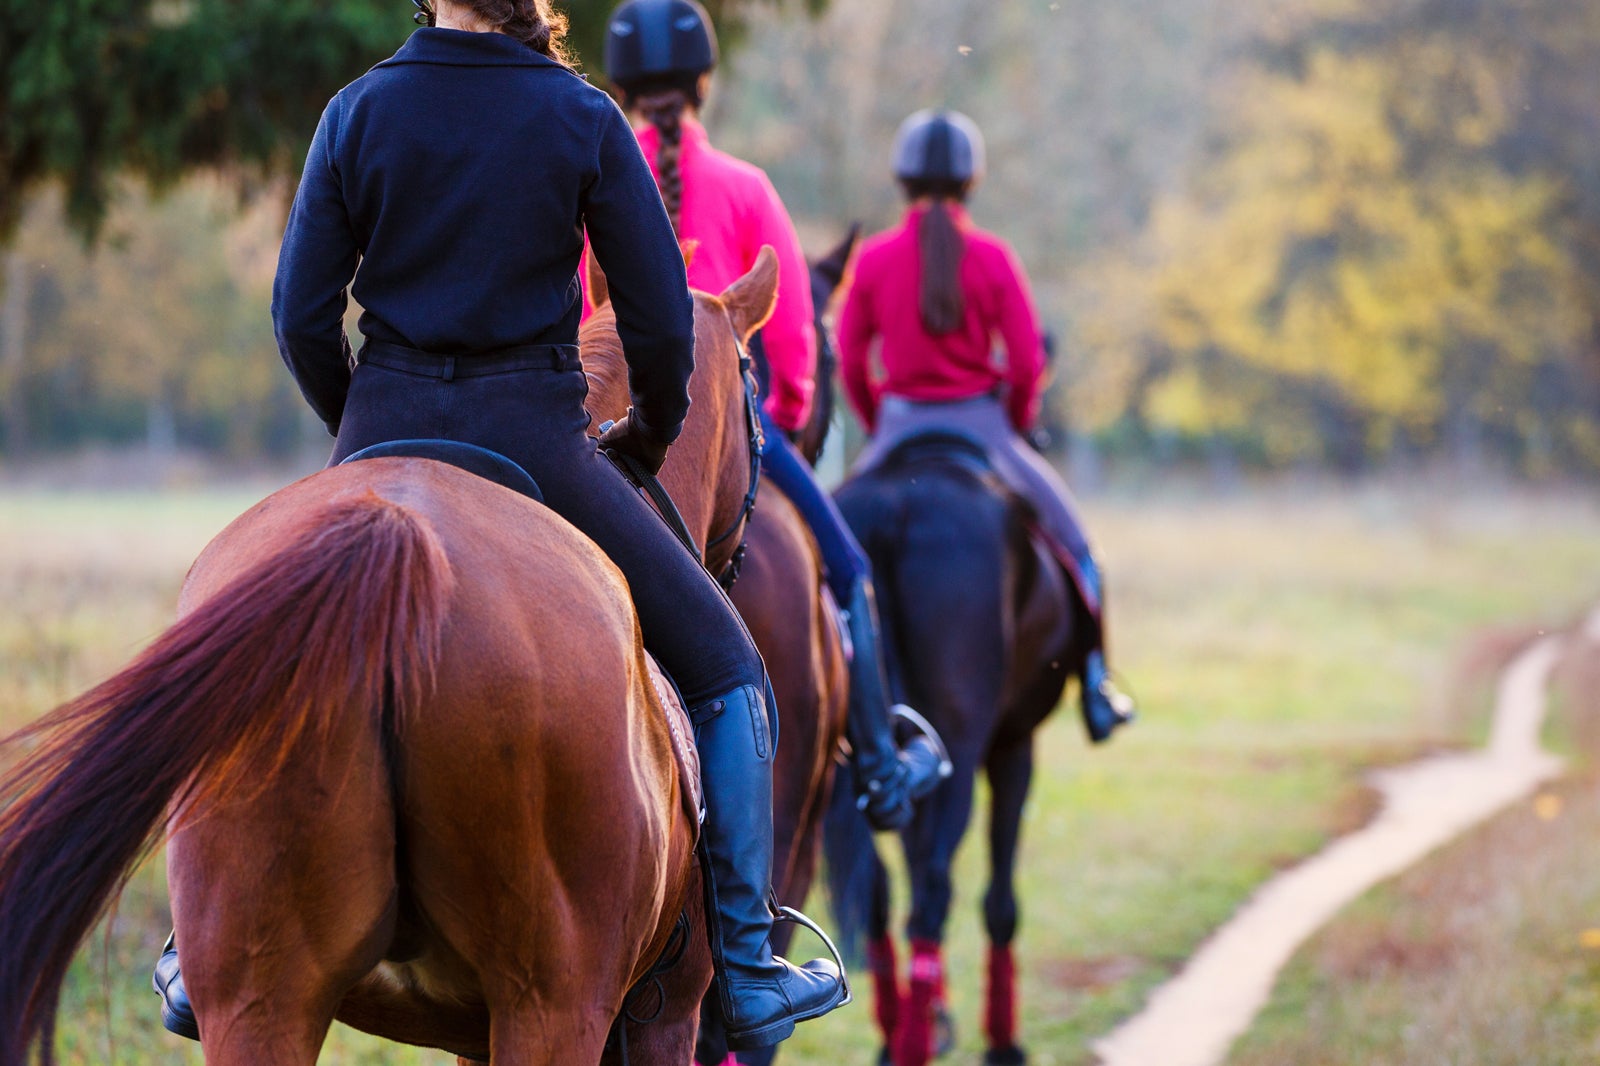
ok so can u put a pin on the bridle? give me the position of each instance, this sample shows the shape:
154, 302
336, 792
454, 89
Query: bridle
757, 440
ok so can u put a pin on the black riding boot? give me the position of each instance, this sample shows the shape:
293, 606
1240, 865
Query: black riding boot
888, 780
1106, 708
177, 1013
762, 996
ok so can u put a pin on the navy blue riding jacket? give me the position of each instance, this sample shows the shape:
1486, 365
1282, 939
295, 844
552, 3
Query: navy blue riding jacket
454, 182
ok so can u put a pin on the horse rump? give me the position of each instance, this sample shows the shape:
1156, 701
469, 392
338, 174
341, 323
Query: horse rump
344, 618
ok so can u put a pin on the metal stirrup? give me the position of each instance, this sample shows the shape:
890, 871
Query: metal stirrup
794, 917
925, 727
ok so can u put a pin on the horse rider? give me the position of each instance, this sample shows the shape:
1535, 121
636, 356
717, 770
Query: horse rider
460, 174
934, 292
660, 54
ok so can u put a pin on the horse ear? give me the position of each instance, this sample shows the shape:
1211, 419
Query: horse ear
750, 300
595, 281
832, 265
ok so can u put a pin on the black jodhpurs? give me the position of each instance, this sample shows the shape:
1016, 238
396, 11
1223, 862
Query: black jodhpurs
536, 418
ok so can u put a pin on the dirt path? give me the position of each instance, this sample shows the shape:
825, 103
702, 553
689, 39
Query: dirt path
1194, 1018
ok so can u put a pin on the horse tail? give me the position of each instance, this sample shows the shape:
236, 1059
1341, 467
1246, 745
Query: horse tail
852, 866
346, 619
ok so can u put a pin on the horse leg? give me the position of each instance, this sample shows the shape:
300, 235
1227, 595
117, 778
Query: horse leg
1010, 771
531, 1032
273, 934
930, 852
882, 960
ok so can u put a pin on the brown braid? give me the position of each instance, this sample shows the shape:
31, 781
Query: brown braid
533, 22
664, 110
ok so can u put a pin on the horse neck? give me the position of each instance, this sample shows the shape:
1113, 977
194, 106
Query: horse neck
707, 470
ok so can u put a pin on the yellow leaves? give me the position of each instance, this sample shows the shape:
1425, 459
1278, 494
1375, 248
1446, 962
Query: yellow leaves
1181, 403
1325, 251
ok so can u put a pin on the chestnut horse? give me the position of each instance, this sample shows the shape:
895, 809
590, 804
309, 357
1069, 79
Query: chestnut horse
416, 773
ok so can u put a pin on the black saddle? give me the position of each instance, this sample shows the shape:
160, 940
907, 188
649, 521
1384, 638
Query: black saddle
941, 445
486, 464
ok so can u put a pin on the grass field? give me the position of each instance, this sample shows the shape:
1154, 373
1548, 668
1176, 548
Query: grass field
1486, 954
1281, 641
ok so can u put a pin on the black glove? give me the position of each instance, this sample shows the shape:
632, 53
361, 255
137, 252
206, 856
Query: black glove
886, 801
630, 436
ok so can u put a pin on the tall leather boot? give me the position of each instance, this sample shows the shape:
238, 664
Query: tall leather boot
1106, 708
761, 995
888, 780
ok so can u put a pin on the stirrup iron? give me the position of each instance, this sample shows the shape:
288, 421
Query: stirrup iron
794, 917
914, 718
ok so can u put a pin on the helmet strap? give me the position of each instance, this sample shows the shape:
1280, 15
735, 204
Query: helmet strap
424, 15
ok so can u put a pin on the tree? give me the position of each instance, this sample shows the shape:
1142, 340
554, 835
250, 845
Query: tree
1381, 252
95, 92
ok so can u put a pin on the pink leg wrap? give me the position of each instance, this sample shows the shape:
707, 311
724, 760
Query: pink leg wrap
1000, 1019
885, 986
914, 1043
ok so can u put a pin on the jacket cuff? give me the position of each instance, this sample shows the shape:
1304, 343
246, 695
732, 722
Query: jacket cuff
650, 431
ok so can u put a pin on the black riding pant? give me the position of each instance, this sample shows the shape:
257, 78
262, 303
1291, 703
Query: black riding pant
537, 418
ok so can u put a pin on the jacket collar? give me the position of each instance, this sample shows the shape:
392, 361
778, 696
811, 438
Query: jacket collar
695, 138
958, 214
459, 48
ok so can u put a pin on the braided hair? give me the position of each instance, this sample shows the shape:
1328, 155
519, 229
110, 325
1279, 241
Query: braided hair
663, 107
533, 22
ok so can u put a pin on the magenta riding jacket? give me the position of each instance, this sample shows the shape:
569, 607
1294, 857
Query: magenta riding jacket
884, 304
730, 210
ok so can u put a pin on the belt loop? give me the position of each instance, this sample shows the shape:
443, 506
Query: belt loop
449, 368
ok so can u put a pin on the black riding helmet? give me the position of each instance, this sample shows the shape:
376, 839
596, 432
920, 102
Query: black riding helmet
939, 148
665, 43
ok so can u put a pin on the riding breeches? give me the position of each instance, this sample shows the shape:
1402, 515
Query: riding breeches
1023, 470
537, 418
843, 559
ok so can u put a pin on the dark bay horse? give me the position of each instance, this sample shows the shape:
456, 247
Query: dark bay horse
984, 632
415, 771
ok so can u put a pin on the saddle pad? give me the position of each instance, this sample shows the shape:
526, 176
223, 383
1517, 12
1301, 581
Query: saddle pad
688, 756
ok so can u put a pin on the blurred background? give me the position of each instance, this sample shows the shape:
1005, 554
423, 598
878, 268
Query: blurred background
1325, 278
1291, 235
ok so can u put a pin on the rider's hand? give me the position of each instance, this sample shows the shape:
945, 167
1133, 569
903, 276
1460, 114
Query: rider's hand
887, 801
630, 436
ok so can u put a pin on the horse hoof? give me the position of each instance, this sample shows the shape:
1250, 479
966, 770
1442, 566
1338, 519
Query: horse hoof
944, 1031
1005, 1056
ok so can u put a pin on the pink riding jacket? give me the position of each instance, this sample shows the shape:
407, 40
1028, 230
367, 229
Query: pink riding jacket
730, 210
885, 303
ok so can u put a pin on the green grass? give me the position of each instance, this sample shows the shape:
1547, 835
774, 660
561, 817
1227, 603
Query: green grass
1280, 642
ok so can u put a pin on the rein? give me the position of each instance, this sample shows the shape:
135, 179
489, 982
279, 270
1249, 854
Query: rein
651, 486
